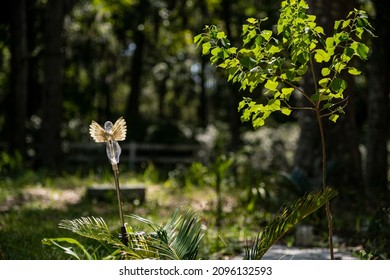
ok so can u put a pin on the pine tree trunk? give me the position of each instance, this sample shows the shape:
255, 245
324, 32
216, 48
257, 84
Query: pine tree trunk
50, 152
19, 77
378, 109
132, 110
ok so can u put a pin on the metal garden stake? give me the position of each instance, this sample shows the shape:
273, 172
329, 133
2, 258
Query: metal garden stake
111, 134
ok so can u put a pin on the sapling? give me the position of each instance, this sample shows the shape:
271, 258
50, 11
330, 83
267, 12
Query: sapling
276, 61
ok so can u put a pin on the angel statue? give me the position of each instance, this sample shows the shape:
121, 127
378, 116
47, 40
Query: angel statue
111, 134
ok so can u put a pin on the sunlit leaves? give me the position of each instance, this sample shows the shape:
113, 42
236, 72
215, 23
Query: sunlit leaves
277, 62
321, 56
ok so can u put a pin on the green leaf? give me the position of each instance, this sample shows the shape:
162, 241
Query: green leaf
198, 39
333, 117
325, 71
215, 51
362, 51
258, 122
274, 104
329, 42
321, 56
286, 92
266, 34
271, 85
286, 111
354, 71
248, 62
273, 49
221, 35
345, 23
252, 20
324, 82
336, 24
338, 85
319, 30
206, 48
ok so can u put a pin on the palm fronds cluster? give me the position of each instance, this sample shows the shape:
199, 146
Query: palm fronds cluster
180, 238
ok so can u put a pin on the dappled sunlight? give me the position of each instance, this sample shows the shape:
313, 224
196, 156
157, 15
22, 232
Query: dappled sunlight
39, 197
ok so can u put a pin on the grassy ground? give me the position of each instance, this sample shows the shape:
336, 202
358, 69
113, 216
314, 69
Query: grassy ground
32, 205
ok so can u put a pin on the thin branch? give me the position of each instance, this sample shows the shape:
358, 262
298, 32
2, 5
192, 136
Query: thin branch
334, 111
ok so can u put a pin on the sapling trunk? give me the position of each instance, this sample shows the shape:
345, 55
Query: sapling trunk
324, 184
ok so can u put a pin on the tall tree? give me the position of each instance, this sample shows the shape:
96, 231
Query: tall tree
234, 99
50, 150
378, 107
139, 37
19, 74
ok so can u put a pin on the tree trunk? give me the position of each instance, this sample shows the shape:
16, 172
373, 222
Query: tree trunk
50, 152
202, 110
19, 75
234, 117
378, 109
132, 110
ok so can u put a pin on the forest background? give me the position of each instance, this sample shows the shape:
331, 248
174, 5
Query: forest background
65, 63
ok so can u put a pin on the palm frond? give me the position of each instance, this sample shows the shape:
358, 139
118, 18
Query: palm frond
55, 242
289, 215
90, 227
179, 239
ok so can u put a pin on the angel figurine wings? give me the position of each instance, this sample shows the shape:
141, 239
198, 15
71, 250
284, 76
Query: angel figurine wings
111, 134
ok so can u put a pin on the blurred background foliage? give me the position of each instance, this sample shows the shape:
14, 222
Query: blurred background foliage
65, 63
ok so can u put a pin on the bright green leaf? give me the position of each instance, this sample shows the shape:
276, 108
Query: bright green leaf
286, 111
221, 35
206, 48
286, 92
252, 20
266, 34
271, 85
324, 82
215, 51
354, 71
319, 30
346, 23
198, 39
258, 122
321, 56
325, 71
333, 117
336, 24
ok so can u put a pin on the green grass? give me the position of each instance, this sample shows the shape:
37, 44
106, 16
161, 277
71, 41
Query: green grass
33, 204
